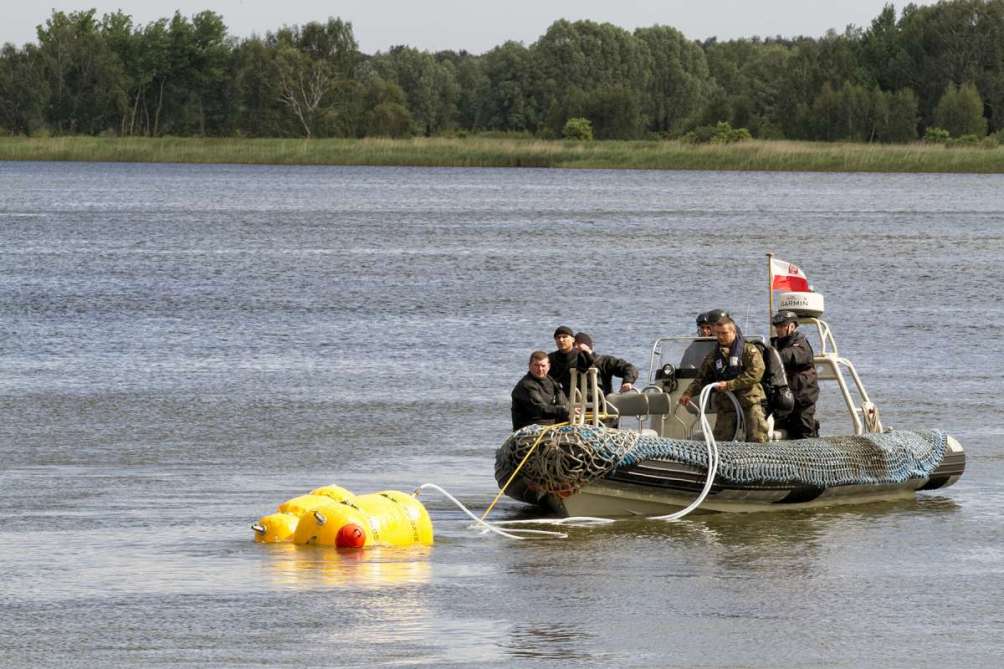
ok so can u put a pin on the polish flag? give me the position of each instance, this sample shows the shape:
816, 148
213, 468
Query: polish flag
785, 276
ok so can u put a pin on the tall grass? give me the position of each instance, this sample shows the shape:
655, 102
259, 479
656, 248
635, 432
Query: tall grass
516, 152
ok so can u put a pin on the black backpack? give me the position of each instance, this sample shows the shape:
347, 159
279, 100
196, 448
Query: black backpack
780, 400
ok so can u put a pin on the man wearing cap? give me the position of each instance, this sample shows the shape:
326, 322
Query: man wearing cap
699, 350
565, 358
734, 366
607, 365
797, 357
537, 398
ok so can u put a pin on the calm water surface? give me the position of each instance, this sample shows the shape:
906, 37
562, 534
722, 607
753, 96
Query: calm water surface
185, 346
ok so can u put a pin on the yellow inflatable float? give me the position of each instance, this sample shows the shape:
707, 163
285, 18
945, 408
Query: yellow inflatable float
333, 516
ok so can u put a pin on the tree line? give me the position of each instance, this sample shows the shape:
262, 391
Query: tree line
937, 66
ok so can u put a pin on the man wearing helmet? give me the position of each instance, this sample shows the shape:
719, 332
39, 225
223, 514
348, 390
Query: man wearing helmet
699, 350
735, 366
797, 357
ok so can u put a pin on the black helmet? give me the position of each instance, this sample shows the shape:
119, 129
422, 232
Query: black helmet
717, 316
782, 317
702, 319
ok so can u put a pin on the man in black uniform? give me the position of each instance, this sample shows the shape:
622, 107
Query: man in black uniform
607, 365
797, 355
565, 358
537, 398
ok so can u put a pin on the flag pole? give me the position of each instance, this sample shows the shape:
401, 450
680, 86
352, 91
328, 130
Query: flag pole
770, 289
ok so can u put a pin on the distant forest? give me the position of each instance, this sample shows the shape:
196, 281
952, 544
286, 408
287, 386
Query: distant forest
931, 67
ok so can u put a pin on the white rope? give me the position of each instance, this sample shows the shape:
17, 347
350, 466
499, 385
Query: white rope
709, 441
580, 521
489, 527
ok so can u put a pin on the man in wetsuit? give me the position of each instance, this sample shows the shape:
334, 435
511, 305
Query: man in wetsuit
797, 357
537, 398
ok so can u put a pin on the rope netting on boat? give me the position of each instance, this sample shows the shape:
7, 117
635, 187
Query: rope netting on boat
571, 456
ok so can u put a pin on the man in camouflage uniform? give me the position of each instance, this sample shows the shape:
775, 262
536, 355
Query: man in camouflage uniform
735, 366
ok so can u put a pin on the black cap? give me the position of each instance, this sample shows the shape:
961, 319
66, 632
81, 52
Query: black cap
702, 319
583, 338
564, 330
717, 316
782, 317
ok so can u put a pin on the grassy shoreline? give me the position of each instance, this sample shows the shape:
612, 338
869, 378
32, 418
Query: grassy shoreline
492, 152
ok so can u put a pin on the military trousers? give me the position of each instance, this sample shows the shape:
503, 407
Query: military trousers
725, 423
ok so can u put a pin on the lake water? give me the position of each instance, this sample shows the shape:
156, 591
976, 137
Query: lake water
185, 346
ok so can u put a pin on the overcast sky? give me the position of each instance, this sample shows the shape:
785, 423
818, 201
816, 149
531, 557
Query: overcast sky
474, 25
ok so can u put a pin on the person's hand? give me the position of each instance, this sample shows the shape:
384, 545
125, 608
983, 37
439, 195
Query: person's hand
577, 411
721, 385
684, 400
625, 387
585, 348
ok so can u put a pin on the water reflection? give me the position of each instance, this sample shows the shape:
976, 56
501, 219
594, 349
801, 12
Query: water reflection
798, 543
308, 567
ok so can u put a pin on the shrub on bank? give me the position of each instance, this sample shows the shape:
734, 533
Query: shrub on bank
578, 128
936, 136
720, 133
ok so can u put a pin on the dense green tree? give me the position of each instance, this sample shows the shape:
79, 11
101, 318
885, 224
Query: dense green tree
883, 53
751, 77
259, 111
23, 90
953, 42
960, 111
576, 59
899, 123
382, 107
86, 81
473, 90
430, 86
511, 103
678, 87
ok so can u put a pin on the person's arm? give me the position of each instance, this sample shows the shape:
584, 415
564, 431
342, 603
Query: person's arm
627, 372
703, 377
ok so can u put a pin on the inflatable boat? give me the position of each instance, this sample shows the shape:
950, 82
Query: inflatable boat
642, 454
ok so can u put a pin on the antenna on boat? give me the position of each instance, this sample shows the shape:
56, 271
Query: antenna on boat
770, 288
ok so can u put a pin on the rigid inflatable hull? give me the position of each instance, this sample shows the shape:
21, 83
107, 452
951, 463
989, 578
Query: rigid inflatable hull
659, 487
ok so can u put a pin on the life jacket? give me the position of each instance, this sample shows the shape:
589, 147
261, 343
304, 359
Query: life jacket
728, 368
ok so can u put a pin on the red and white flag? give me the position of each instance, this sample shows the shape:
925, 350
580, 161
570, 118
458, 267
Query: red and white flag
785, 276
